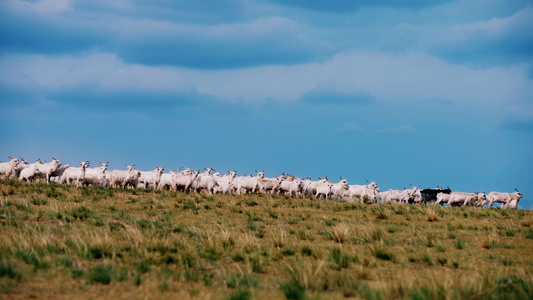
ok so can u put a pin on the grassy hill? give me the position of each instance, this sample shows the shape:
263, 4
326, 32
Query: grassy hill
62, 242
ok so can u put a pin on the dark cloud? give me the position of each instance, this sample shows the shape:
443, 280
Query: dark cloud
144, 102
36, 34
237, 45
327, 93
201, 54
94, 99
227, 35
492, 51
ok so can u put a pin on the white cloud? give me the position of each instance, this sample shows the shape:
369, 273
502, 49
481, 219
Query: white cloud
402, 77
391, 78
498, 26
98, 70
260, 28
464, 37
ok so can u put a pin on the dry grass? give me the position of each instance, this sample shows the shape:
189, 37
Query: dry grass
65, 242
340, 233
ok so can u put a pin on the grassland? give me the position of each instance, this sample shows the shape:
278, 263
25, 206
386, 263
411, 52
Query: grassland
62, 242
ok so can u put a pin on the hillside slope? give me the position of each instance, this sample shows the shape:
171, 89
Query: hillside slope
95, 242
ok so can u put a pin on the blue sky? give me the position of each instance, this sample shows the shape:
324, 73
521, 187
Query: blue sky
400, 92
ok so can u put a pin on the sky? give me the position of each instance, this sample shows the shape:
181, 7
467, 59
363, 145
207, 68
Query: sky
399, 92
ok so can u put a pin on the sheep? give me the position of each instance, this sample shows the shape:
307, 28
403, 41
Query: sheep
309, 187
363, 193
245, 184
305, 183
338, 189
224, 183
7, 168
150, 179
228, 183
35, 174
443, 198
269, 185
323, 189
461, 198
96, 176
29, 174
398, 196
289, 185
21, 166
120, 178
185, 179
168, 180
47, 168
56, 175
205, 182
76, 175
384, 196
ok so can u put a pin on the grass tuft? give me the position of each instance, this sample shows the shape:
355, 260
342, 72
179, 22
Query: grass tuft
431, 215
340, 233
101, 274
7, 269
293, 289
381, 252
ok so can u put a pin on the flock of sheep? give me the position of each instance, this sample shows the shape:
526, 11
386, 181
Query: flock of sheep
213, 182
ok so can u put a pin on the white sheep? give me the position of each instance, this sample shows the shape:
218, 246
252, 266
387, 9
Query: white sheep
289, 185
21, 166
7, 168
309, 186
269, 185
168, 180
47, 168
150, 179
76, 175
224, 183
96, 176
339, 189
29, 173
245, 184
185, 179
205, 182
323, 190
120, 178
363, 193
